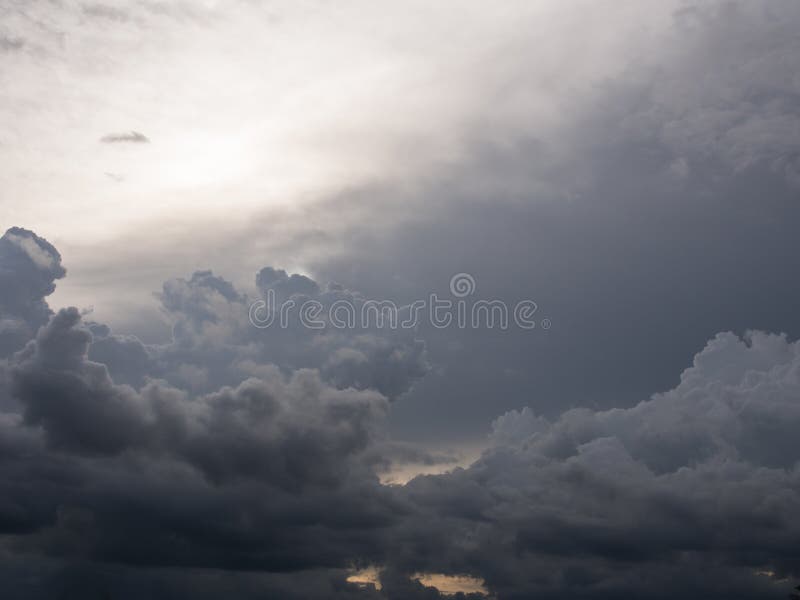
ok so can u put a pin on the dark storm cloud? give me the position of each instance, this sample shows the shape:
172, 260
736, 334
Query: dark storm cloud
619, 502
238, 462
125, 137
74, 400
216, 343
691, 493
283, 459
270, 475
633, 490
126, 358
121, 583
664, 214
228, 434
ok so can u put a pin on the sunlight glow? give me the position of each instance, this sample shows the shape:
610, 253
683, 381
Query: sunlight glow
203, 158
366, 577
452, 584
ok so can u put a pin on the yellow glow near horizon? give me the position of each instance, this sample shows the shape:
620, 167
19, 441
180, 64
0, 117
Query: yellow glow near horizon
401, 474
366, 577
452, 584
446, 584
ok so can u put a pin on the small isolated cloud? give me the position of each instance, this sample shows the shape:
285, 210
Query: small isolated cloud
125, 136
118, 177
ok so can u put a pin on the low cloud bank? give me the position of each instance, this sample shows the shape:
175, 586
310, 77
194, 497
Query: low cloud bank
229, 463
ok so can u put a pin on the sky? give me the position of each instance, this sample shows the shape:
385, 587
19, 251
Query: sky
194, 194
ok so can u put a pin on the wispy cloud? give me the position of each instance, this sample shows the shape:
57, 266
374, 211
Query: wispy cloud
118, 177
125, 136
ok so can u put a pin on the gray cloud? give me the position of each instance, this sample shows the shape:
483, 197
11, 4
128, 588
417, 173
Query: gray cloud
213, 333
274, 462
664, 213
29, 267
128, 136
11, 44
691, 493
229, 461
308, 428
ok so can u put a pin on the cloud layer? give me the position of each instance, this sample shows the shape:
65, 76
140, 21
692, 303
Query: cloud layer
632, 168
690, 494
270, 473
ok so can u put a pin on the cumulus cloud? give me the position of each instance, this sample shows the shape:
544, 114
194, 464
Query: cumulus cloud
691, 493
213, 332
277, 467
269, 475
233, 461
74, 400
29, 268
290, 433
273, 479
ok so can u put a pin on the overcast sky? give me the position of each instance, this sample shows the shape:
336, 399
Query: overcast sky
631, 167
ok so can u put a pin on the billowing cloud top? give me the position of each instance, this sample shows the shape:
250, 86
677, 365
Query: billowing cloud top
29, 267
